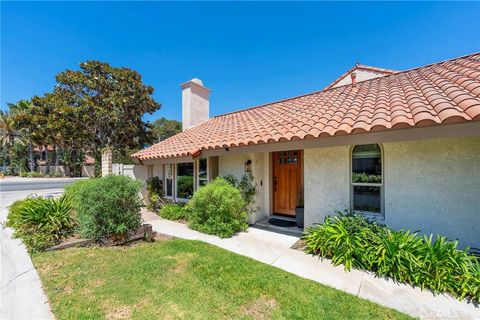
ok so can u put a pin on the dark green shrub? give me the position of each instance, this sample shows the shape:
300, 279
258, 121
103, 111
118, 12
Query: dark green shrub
217, 208
107, 206
354, 241
41, 222
174, 212
155, 200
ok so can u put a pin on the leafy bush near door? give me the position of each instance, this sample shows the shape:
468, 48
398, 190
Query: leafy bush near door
406, 257
217, 208
246, 186
41, 222
107, 206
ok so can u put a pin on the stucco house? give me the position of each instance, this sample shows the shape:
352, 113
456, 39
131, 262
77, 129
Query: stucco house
402, 147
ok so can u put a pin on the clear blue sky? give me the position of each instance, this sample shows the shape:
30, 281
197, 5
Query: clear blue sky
247, 53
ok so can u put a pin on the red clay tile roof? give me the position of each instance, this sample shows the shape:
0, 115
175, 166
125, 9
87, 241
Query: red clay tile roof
361, 67
440, 93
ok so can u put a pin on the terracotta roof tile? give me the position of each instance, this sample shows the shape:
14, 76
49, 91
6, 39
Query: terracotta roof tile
441, 93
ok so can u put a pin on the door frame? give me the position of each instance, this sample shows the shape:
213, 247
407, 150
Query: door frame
272, 181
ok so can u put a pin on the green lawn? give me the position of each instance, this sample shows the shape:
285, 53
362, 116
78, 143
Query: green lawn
181, 279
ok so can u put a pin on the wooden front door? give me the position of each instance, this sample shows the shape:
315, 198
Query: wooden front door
287, 179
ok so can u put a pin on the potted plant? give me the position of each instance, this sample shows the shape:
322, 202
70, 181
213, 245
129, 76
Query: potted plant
299, 214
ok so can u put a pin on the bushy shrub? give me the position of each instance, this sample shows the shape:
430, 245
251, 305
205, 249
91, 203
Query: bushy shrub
41, 222
72, 191
107, 206
185, 187
217, 208
174, 212
247, 188
155, 200
406, 257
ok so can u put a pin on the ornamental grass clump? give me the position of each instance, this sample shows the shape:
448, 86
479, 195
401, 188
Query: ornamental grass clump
217, 208
406, 257
42, 222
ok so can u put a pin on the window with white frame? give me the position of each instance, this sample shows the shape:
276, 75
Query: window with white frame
367, 179
169, 180
184, 180
202, 176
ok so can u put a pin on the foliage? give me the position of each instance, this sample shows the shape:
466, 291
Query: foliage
363, 177
174, 212
247, 188
165, 128
41, 222
217, 208
184, 187
406, 257
107, 206
99, 106
122, 155
154, 186
34, 174
72, 191
184, 279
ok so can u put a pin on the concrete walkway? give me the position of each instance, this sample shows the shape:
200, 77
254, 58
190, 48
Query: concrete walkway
22, 296
275, 249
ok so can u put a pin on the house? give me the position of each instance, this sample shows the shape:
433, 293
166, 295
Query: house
402, 147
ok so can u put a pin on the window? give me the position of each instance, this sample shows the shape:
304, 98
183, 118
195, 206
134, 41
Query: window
367, 180
202, 172
169, 180
287, 157
184, 180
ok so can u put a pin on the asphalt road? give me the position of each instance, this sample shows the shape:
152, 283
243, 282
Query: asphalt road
32, 184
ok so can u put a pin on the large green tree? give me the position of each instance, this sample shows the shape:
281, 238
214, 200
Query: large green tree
165, 128
99, 106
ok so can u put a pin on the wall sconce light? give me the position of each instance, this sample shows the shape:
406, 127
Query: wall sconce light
248, 166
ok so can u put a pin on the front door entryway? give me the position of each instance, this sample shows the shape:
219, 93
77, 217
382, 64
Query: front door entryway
287, 180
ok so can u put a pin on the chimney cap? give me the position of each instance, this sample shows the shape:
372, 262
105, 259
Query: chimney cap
196, 82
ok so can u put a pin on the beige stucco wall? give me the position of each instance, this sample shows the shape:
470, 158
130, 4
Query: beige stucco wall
434, 185
326, 182
235, 165
430, 185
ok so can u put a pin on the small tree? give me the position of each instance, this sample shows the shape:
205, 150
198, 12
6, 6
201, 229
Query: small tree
165, 128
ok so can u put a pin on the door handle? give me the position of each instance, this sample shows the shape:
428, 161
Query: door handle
275, 184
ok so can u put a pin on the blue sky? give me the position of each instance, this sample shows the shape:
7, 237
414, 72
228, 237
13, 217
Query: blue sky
247, 53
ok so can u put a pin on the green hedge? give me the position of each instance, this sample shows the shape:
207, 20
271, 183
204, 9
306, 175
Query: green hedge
217, 208
406, 257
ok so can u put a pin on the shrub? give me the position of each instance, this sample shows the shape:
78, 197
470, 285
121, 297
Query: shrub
41, 222
406, 257
173, 212
217, 208
72, 190
247, 188
185, 187
154, 186
107, 206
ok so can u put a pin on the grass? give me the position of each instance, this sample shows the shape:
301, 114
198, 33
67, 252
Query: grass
183, 279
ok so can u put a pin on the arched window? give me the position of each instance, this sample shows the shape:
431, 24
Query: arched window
367, 179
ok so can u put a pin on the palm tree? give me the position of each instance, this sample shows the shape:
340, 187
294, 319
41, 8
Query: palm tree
22, 113
9, 134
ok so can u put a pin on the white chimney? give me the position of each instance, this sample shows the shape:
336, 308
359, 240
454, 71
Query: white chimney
195, 103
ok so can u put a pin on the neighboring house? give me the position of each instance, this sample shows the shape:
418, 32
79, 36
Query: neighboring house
88, 166
402, 147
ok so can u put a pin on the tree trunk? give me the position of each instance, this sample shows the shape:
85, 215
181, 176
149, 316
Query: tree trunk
30, 156
47, 164
57, 160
